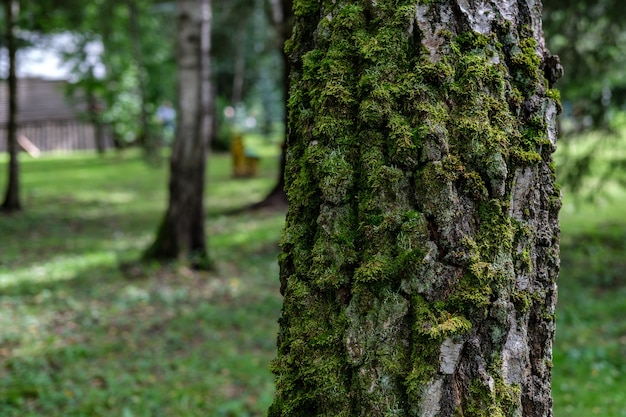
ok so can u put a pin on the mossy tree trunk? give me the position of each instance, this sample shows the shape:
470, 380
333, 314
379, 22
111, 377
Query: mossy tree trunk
11, 200
182, 234
420, 254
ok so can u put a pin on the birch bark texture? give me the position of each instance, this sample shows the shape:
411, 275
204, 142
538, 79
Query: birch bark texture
182, 234
420, 253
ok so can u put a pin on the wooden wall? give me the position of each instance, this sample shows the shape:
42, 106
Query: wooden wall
59, 135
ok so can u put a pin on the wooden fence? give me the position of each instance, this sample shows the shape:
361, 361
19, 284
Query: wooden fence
59, 135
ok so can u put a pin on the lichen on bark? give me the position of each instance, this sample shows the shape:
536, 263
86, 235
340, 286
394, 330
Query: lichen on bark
420, 252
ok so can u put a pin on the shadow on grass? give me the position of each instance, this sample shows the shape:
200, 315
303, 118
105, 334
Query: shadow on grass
81, 337
596, 259
176, 342
47, 245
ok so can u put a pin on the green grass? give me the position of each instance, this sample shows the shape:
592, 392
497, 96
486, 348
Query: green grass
80, 336
590, 346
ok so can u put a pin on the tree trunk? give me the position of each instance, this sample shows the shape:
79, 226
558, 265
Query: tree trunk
12, 196
181, 234
94, 113
146, 137
420, 253
281, 13
239, 69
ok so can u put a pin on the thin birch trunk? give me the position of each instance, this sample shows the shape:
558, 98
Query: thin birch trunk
181, 234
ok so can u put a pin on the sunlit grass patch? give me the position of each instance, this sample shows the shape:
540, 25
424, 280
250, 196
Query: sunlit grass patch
246, 231
57, 269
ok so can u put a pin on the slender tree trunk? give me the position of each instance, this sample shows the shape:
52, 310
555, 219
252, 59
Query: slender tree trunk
181, 234
239, 69
420, 254
99, 135
281, 12
93, 113
12, 196
282, 19
146, 138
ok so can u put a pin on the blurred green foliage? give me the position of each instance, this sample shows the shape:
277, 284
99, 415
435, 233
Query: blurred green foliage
590, 38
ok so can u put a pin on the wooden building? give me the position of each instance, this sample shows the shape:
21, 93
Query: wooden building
47, 118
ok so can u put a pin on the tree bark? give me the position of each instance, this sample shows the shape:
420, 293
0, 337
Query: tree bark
182, 234
11, 201
420, 254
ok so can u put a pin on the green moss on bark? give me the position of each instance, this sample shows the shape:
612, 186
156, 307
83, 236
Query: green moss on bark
408, 251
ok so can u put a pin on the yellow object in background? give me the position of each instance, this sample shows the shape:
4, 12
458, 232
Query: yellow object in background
244, 165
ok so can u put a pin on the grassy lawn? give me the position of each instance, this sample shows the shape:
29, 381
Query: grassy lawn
80, 336
590, 347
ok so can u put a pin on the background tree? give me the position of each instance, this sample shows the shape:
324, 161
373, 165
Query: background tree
420, 252
281, 13
88, 84
135, 33
12, 195
137, 59
181, 233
